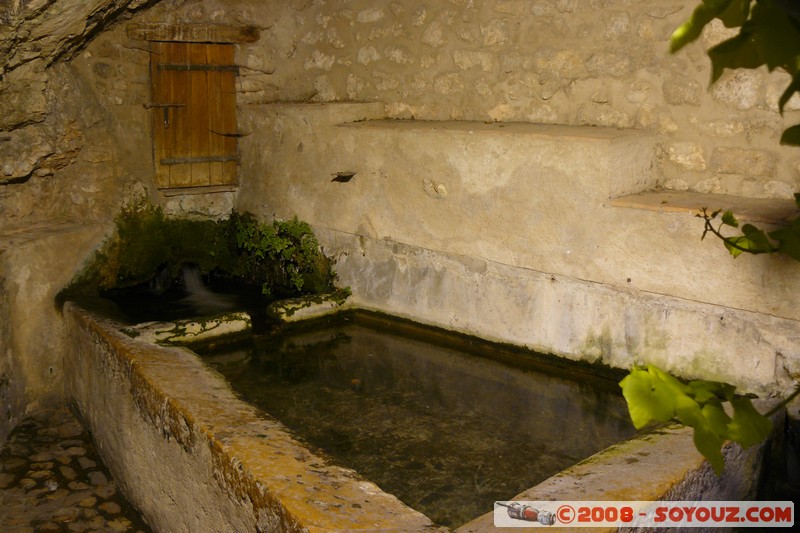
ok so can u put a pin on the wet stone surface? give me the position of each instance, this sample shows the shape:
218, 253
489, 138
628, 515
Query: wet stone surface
52, 479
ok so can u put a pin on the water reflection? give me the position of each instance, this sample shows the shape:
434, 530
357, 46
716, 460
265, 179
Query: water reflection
444, 429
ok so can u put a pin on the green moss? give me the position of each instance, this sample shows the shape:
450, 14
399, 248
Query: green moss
283, 259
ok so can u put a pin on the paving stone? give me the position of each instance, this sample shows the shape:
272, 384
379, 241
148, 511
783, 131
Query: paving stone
64, 458
78, 527
51, 479
13, 463
58, 494
98, 522
106, 491
69, 473
68, 514
88, 502
6, 479
120, 524
86, 463
70, 429
41, 457
110, 508
76, 450
97, 478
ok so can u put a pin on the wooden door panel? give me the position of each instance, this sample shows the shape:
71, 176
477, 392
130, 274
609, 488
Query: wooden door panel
194, 114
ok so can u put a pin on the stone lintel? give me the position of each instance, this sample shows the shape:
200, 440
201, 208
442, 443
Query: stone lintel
192, 33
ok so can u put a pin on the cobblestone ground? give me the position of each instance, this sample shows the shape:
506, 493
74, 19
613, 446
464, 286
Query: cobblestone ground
52, 480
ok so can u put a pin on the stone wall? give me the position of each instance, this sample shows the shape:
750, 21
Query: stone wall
591, 62
58, 155
63, 173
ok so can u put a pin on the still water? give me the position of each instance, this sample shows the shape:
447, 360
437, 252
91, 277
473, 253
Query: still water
446, 424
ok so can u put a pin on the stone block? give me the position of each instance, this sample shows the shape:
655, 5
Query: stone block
687, 155
744, 162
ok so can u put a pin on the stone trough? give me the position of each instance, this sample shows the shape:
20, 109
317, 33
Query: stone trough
193, 457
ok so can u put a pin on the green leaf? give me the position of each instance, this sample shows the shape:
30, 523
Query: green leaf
729, 220
758, 239
705, 391
735, 14
692, 28
710, 445
741, 51
736, 245
788, 241
688, 411
715, 418
648, 399
776, 36
748, 426
791, 136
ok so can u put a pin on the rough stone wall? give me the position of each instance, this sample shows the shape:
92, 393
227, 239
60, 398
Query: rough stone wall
576, 62
63, 168
10, 395
58, 155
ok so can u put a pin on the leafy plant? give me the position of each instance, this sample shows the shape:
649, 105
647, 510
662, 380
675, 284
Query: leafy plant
284, 254
769, 34
754, 240
283, 258
654, 396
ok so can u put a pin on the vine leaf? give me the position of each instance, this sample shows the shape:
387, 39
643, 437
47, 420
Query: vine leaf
690, 30
741, 51
769, 34
648, 400
710, 445
748, 426
729, 220
655, 396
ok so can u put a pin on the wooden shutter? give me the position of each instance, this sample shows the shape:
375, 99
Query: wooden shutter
194, 114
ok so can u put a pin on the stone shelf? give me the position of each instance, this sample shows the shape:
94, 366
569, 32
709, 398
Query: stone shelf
15, 236
763, 210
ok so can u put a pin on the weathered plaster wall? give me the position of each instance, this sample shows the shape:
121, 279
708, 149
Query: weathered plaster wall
504, 231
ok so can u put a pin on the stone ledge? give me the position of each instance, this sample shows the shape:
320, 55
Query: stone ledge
14, 236
764, 210
166, 422
662, 465
511, 128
